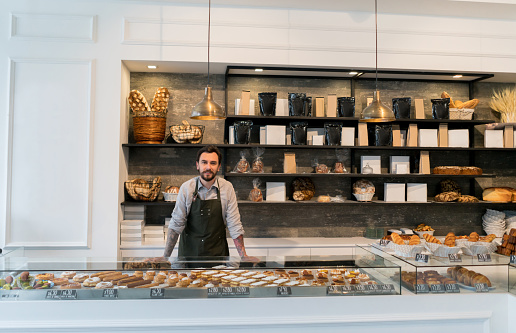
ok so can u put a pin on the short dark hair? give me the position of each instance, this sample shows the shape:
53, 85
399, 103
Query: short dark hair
209, 149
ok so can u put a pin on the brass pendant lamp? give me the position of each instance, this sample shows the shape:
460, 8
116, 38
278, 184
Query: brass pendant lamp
208, 109
377, 112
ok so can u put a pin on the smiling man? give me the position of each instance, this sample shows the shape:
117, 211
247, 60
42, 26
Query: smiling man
205, 206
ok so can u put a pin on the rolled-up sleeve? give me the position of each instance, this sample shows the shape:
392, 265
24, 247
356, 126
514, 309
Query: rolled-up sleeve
233, 222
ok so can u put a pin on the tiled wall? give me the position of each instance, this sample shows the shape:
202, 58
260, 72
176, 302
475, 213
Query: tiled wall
291, 220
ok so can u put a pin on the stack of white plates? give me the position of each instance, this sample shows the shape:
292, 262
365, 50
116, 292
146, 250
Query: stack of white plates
493, 222
510, 219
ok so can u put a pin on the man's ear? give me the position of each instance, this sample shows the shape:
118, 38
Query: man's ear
197, 165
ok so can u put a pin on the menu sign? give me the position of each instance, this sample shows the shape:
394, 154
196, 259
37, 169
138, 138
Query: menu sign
228, 291
284, 291
110, 293
454, 257
484, 257
157, 293
422, 258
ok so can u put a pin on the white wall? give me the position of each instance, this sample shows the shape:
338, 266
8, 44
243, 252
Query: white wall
467, 36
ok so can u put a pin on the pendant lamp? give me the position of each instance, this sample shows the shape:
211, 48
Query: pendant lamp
208, 109
376, 112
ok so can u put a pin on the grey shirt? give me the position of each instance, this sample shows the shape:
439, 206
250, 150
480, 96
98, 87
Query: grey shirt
228, 199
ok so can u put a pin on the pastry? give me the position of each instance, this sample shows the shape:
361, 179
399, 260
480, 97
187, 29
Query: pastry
338, 168
431, 239
322, 168
363, 186
80, 277
414, 240
467, 199
172, 189
73, 285
397, 239
69, 274
447, 196
324, 198
473, 237
104, 285
257, 166
450, 240
91, 282
303, 189
44, 276
471, 104
148, 285
242, 166
256, 195
60, 281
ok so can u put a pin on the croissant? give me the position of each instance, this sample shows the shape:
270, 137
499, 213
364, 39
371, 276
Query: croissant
480, 279
414, 240
450, 240
431, 239
473, 237
397, 239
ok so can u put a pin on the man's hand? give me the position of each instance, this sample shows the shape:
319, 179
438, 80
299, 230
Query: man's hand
250, 259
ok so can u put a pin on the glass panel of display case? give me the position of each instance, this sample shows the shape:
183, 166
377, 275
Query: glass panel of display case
361, 274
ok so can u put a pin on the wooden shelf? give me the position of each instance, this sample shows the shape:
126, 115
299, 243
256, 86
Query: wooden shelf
354, 175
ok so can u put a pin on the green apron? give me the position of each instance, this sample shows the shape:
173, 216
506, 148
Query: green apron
205, 232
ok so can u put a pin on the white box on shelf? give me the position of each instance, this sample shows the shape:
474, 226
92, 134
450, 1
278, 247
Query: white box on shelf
318, 140
263, 135
458, 138
310, 132
138, 223
428, 138
131, 243
399, 164
417, 192
129, 231
282, 107
130, 238
275, 134
348, 136
394, 192
403, 134
231, 135
251, 110
493, 139
374, 162
275, 191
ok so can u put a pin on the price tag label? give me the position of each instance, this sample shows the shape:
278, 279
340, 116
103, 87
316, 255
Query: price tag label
228, 291
388, 287
437, 288
452, 288
14, 295
484, 257
422, 258
68, 294
157, 293
422, 289
333, 290
359, 288
53, 294
372, 288
481, 288
384, 242
284, 291
454, 257
110, 293
513, 259
346, 290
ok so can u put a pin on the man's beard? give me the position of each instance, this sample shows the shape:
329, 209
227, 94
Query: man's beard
208, 176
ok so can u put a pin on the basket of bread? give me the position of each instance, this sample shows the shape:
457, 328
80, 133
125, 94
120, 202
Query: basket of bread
170, 193
186, 133
461, 110
405, 245
149, 122
142, 190
363, 190
474, 244
439, 249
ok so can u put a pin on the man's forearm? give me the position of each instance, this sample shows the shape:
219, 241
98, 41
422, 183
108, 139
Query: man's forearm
239, 244
171, 242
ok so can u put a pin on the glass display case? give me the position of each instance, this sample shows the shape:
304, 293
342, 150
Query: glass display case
361, 274
457, 273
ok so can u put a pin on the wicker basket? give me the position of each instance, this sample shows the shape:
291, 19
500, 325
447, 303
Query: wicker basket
461, 114
141, 190
186, 133
149, 130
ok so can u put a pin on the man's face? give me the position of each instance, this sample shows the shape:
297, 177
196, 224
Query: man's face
208, 166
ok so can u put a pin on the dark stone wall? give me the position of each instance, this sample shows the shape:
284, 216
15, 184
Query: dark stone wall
322, 220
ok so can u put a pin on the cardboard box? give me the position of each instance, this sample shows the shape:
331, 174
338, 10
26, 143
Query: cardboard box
318, 140
275, 191
310, 132
443, 135
319, 106
252, 108
412, 136
424, 162
282, 107
396, 136
394, 192
403, 134
419, 108
417, 192
374, 162
362, 134
263, 136
508, 136
245, 101
399, 164
275, 134
348, 136
493, 139
428, 138
458, 138
289, 163
331, 109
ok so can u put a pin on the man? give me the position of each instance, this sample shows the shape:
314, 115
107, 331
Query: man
205, 206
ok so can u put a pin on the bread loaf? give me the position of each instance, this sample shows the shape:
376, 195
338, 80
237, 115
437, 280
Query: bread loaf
501, 194
447, 196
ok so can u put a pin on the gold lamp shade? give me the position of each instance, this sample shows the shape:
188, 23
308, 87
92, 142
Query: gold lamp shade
377, 112
208, 109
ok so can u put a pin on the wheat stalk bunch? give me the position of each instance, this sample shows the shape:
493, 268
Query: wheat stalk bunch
504, 102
